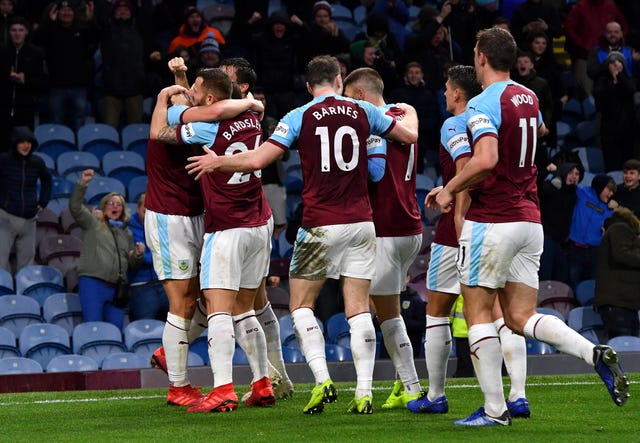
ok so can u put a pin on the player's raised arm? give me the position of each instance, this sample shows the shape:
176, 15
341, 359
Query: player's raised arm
406, 129
159, 117
221, 110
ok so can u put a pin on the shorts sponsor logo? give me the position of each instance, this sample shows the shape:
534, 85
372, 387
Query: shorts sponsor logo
183, 265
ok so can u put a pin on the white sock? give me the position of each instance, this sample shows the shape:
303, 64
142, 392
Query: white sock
250, 337
271, 328
176, 348
311, 343
551, 330
363, 348
514, 352
398, 345
486, 356
222, 344
437, 348
198, 322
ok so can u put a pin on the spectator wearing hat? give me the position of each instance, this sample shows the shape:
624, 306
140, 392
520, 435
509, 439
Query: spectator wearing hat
323, 36
593, 206
20, 201
23, 75
613, 92
208, 57
610, 40
122, 42
69, 44
194, 31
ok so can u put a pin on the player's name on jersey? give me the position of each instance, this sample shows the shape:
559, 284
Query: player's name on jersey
520, 99
335, 110
237, 126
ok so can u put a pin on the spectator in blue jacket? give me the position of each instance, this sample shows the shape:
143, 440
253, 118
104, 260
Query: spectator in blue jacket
19, 199
147, 298
593, 207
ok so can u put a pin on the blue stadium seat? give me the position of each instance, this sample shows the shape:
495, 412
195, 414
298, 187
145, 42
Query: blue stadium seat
101, 186
44, 341
97, 339
39, 282
19, 365
123, 165
61, 187
550, 311
292, 355
360, 15
6, 282
137, 186
589, 108
287, 333
564, 132
54, 139
587, 177
625, 343
72, 363
134, 137
538, 347
199, 346
337, 326
240, 357
18, 311
592, 159
424, 182
63, 309
61, 251
143, 336
587, 321
48, 160
98, 138
125, 360
337, 353
556, 295
586, 292
587, 133
616, 175
57, 205
76, 162
8, 346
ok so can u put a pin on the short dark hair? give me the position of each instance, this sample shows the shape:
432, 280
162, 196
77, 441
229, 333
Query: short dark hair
322, 69
464, 77
217, 82
244, 71
367, 78
631, 164
499, 47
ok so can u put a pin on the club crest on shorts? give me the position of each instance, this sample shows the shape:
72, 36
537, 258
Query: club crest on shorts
183, 265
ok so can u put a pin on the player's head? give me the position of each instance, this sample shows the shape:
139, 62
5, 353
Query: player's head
324, 70
495, 47
461, 86
241, 72
363, 83
211, 85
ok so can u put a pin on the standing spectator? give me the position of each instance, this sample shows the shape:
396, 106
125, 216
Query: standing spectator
23, 71
591, 210
364, 56
628, 192
613, 92
618, 275
108, 251
249, 19
69, 44
582, 27
323, 35
194, 30
415, 92
610, 40
123, 59
538, 15
19, 199
147, 298
7, 12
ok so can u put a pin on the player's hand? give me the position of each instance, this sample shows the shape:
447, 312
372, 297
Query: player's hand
202, 164
256, 105
441, 198
87, 176
168, 92
176, 64
430, 199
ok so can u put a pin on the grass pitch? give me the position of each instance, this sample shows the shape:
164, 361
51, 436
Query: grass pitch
575, 408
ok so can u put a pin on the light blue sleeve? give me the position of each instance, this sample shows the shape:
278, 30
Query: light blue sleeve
454, 138
199, 133
377, 157
288, 128
174, 112
483, 113
379, 121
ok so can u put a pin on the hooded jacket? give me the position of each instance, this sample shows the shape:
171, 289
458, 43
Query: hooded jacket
557, 200
19, 178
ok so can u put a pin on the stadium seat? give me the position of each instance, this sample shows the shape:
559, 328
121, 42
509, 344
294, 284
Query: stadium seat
220, 16
287, 333
6, 282
337, 353
556, 295
61, 188
200, 347
19, 365
97, 339
47, 224
44, 341
424, 182
589, 107
292, 355
617, 175
240, 357
585, 292
98, 138
293, 181
39, 282
137, 185
72, 363
123, 165
587, 321
69, 224
337, 326
101, 186
550, 311
625, 343
48, 161
279, 299
143, 336
8, 346
293, 200
54, 139
564, 133
57, 205
63, 309
360, 15
419, 267
71, 165
587, 133
538, 347
125, 360
280, 267
592, 159
134, 137
587, 177
194, 359
61, 251
18, 311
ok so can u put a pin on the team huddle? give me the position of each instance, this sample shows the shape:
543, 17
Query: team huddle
361, 224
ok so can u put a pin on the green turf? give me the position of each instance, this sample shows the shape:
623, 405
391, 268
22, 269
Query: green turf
564, 409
